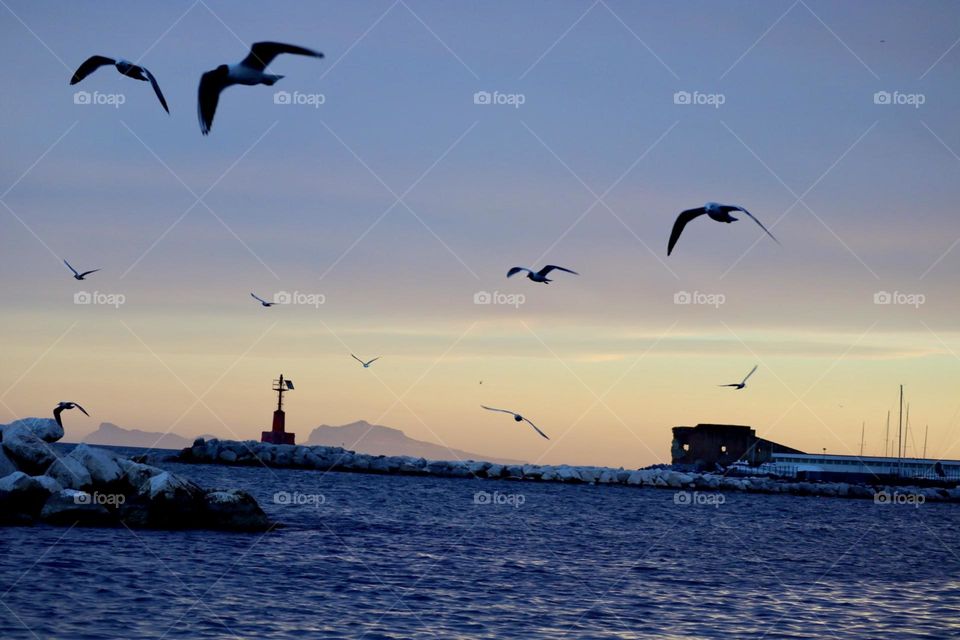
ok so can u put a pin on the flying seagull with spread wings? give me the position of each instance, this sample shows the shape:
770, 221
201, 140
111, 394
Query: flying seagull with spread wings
262, 301
716, 211
76, 274
125, 67
540, 276
63, 406
366, 365
249, 71
743, 383
519, 418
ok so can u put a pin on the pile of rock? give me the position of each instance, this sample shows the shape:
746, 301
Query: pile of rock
95, 487
251, 452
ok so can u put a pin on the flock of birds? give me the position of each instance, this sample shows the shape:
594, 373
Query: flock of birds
251, 71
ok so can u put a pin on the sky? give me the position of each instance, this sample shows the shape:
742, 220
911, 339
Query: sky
387, 197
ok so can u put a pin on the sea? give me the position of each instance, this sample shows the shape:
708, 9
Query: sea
376, 557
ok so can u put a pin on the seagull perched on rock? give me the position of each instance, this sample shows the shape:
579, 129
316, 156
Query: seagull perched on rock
76, 274
366, 365
518, 418
743, 383
63, 406
716, 211
262, 301
125, 67
539, 276
249, 71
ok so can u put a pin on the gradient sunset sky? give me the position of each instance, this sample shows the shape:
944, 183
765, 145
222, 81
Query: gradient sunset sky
398, 199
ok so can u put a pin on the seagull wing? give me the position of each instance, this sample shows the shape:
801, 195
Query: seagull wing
750, 374
208, 95
90, 65
256, 297
156, 89
550, 267
500, 410
681, 222
515, 270
729, 385
81, 408
86, 273
356, 358
262, 53
71, 268
372, 361
759, 223
535, 428
57, 410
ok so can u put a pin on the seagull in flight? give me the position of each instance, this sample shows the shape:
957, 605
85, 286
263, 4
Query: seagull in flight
742, 384
125, 67
76, 274
262, 301
716, 211
249, 71
539, 276
366, 365
518, 418
63, 406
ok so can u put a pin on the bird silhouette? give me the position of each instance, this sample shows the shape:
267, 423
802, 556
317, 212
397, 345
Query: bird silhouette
125, 67
518, 418
539, 276
741, 384
249, 71
366, 365
76, 274
63, 406
716, 211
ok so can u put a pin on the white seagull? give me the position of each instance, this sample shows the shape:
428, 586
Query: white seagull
125, 67
716, 211
539, 276
518, 418
262, 301
63, 406
740, 385
76, 274
249, 71
366, 365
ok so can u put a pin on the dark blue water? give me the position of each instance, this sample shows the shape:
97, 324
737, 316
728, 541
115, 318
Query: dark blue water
398, 557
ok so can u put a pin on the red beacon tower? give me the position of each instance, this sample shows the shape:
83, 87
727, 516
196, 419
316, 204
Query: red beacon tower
278, 434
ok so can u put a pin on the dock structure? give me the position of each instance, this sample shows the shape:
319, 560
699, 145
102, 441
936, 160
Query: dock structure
707, 445
278, 433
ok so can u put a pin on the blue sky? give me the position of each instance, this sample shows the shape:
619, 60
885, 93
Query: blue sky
861, 195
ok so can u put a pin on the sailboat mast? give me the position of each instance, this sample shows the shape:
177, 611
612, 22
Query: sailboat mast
926, 431
900, 436
863, 426
886, 437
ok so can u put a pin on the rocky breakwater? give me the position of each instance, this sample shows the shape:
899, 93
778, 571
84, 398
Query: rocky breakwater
251, 452
90, 486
